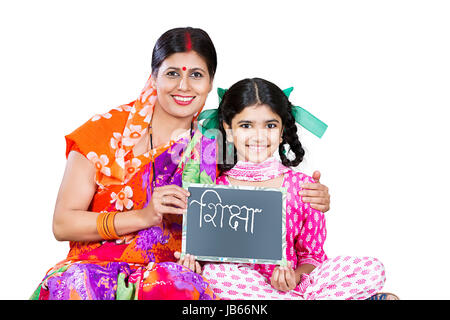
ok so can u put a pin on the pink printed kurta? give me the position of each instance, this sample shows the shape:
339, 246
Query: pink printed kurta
343, 277
305, 226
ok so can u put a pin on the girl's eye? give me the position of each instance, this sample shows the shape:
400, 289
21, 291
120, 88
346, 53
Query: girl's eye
271, 125
245, 125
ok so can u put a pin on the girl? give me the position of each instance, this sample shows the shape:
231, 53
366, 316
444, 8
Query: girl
256, 120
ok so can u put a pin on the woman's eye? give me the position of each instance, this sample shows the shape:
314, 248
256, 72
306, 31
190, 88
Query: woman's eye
271, 125
245, 125
197, 75
172, 74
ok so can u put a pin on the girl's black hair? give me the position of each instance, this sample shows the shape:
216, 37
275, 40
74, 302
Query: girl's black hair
256, 91
184, 40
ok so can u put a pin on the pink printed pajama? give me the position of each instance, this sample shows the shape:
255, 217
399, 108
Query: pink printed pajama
343, 277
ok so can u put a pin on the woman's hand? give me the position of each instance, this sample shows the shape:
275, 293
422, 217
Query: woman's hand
170, 199
188, 261
283, 278
316, 194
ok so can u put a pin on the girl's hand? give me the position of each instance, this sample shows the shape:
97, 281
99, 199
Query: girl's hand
170, 199
316, 194
188, 261
283, 278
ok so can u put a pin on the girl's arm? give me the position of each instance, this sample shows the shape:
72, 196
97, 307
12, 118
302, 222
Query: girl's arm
73, 222
304, 268
286, 278
188, 261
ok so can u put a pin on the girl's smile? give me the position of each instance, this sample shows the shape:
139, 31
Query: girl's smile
257, 148
255, 133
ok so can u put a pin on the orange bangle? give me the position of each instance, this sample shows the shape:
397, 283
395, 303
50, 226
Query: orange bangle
105, 226
110, 226
100, 229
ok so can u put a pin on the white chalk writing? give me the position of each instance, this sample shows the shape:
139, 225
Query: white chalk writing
234, 213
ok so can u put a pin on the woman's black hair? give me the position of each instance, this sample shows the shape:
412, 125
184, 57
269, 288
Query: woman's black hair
256, 91
184, 40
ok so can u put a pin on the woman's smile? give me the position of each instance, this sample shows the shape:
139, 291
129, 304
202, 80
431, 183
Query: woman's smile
181, 93
183, 100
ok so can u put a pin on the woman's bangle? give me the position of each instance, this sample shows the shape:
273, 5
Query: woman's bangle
105, 226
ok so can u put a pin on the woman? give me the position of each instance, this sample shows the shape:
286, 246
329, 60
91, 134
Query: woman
120, 200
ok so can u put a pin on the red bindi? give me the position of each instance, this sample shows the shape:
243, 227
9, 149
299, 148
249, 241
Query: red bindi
184, 68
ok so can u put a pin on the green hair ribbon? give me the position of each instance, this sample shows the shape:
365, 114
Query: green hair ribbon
210, 127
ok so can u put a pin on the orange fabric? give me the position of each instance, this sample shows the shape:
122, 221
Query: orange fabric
107, 138
113, 195
107, 141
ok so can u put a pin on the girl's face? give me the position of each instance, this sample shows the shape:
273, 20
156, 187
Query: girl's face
182, 84
256, 133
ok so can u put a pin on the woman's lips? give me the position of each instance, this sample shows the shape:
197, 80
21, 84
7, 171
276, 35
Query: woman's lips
183, 100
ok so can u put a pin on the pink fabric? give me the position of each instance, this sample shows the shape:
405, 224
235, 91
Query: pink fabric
343, 277
340, 278
250, 171
305, 226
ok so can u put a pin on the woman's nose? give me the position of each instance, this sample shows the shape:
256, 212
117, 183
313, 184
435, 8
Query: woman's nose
184, 84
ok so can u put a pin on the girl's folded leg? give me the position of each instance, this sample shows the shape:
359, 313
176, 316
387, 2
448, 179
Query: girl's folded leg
232, 281
346, 278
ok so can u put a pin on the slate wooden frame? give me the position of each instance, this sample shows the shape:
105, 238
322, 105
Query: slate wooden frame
282, 262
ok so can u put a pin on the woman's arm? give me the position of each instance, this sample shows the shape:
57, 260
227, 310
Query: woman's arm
72, 221
316, 194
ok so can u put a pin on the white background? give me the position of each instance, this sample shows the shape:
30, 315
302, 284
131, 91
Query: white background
377, 72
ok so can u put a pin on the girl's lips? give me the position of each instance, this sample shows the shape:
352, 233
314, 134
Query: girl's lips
182, 100
256, 148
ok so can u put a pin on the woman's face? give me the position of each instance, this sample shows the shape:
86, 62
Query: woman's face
182, 84
255, 132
